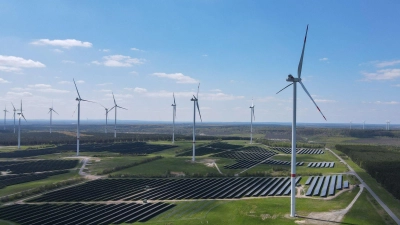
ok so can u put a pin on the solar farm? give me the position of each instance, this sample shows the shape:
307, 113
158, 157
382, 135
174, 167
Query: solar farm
122, 200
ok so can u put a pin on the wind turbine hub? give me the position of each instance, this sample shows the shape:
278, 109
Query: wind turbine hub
292, 79
77, 99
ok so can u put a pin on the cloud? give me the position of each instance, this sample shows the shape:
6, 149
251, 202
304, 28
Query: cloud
120, 95
386, 103
40, 86
179, 77
68, 62
387, 63
2, 81
104, 50
67, 43
57, 50
323, 59
204, 55
45, 88
202, 96
386, 74
19, 94
65, 82
140, 90
136, 49
119, 61
215, 90
15, 64
80, 81
134, 73
103, 84
324, 100
105, 90
128, 89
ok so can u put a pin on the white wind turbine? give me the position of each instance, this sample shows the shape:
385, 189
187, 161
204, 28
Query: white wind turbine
364, 125
15, 110
350, 124
115, 108
251, 118
5, 115
294, 82
51, 110
107, 111
173, 118
20, 114
79, 99
195, 101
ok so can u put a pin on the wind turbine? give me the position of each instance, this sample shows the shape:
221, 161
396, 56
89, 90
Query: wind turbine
79, 99
51, 110
173, 118
115, 124
107, 111
195, 101
364, 125
20, 114
5, 115
15, 110
251, 119
294, 82
350, 124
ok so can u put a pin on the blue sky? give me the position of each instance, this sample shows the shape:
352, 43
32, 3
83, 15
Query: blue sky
238, 50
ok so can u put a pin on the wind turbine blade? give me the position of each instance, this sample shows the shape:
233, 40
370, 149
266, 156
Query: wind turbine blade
76, 89
198, 108
284, 88
198, 88
111, 108
13, 106
312, 99
23, 117
74, 111
254, 117
49, 111
115, 103
55, 112
173, 94
302, 55
83, 100
121, 107
21, 105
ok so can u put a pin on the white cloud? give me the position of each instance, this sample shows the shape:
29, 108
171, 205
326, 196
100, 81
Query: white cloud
136, 49
104, 50
324, 100
40, 86
68, 62
2, 81
105, 90
215, 90
19, 94
15, 64
57, 50
119, 61
65, 82
80, 81
386, 103
323, 59
386, 74
140, 90
179, 77
202, 96
204, 55
120, 95
129, 89
10, 69
387, 63
219, 96
52, 90
20, 89
103, 84
134, 73
67, 43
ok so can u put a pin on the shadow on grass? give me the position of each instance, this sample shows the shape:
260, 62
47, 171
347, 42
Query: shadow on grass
304, 217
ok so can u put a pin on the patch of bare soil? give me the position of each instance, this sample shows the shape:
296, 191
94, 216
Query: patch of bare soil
73, 134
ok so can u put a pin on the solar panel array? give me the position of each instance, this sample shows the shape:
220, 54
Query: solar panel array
162, 189
78, 213
321, 164
325, 185
310, 151
244, 164
9, 180
37, 165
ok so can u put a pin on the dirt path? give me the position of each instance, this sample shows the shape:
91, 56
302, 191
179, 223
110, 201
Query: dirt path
216, 166
81, 172
327, 218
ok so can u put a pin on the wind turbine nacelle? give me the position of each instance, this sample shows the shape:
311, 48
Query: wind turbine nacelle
292, 79
77, 99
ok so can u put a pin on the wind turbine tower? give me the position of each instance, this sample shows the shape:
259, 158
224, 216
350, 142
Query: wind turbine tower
79, 99
251, 119
350, 124
115, 108
20, 114
15, 110
107, 111
293, 81
51, 110
173, 118
195, 101
5, 115
364, 125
